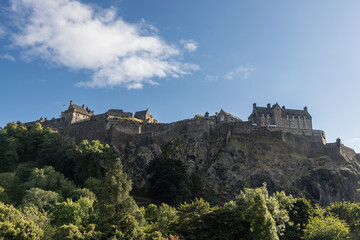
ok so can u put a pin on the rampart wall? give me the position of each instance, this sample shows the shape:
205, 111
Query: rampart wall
119, 132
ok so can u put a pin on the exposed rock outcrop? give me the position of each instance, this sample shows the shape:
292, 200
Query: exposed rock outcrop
230, 156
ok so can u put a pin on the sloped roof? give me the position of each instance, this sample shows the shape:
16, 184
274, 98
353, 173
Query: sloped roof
141, 114
78, 109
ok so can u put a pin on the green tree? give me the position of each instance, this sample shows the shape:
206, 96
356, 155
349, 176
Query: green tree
226, 222
74, 232
300, 212
348, 212
190, 217
169, 182
48, 179
329, 228
91, 159
42, 199
160, 219
253, 202
15, 226
117, 209
78, 213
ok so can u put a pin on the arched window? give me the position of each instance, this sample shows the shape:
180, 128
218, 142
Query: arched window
287, 116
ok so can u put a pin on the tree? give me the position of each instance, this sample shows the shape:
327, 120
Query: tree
160, 218
42, 199
15, 226
263, 226
190, 217
78, 213
117, 209
300, 212
225, 222
74, 232
348, 212
251, 203
91, 159
169, 182
329, 228
48, 179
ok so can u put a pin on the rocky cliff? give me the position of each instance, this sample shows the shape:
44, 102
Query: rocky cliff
231, 156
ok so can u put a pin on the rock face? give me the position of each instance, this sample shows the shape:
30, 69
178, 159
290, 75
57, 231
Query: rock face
231, 156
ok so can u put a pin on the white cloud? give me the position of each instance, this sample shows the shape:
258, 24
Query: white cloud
7, 57
211, 78
354, 140
189, 45
240, 72
72, 34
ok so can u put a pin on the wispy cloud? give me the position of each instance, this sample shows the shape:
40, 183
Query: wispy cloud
75, 35
189, 45
240, 72
211, 78
354, 140
7, 57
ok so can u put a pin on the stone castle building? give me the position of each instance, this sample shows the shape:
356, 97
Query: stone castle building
75, 113
281, 117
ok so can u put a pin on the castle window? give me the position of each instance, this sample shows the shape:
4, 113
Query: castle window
304, 118
262, 115
299, 118
287, 116
293, 117
268, 116
222, 118
278, 117
291, 125
263, 123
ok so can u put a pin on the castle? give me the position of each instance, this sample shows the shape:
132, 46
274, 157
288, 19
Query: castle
271, 116
115, 125
276, 116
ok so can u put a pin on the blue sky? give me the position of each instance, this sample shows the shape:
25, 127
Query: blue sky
180, 58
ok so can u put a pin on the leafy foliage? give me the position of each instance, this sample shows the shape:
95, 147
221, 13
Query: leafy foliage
329, 228
169, 181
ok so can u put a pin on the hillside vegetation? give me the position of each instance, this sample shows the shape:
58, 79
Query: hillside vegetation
50, 189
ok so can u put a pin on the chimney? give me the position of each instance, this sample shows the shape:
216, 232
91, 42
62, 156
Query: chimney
305, 109
71, 102
83, 106
254, 105
268, 106
283, 107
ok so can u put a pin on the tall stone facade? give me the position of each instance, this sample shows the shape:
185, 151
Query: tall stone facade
281, 117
